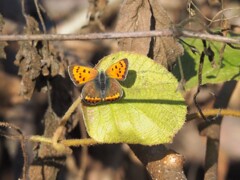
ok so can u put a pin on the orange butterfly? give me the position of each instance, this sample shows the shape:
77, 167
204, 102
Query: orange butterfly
99, 85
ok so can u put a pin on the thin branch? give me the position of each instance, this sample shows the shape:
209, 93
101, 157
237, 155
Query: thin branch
40, 16
214, 112
222, 13
216, 15
118, 35
65, 142
60, 129
204, 36
23, 145
199, 84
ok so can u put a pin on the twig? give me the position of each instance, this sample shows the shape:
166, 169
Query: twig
65, 142
217, 14
69, 112
118, 35
200, 83
204, 36
40, 16
214, 112
60, 129
23, 9
43, 26
222, 13
84, 152
23, 145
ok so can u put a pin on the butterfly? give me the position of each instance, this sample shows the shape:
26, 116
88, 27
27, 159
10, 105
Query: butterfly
99, 86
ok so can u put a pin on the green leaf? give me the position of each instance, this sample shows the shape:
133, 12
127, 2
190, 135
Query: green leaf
151, 111
228, 70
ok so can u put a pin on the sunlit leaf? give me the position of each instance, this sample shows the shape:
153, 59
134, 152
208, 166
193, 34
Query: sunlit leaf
223, 70
151, 111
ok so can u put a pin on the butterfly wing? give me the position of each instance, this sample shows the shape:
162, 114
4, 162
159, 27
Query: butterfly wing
113, 91
91, 94
81, 74
118, 70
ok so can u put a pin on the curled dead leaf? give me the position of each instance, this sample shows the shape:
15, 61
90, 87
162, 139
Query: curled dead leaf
145, 16
165, 49
35, 58
29, 64
134, 16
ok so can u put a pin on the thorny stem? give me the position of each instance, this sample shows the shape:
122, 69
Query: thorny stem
118, 35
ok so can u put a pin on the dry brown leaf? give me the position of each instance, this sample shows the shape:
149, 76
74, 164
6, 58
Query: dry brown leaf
28, 60
29, 64
165, 49
134, 16
144, 16
51, 61
35, 58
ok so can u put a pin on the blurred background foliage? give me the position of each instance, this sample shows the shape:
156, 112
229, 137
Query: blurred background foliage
114, 161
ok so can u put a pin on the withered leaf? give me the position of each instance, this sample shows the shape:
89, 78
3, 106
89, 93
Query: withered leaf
144, 16
3, 44
134, 16
28, 60
31, 26
35, 58
165, 49
51, 61
58, 65
29, 64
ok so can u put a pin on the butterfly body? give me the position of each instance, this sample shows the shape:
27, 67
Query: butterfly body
99, 85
